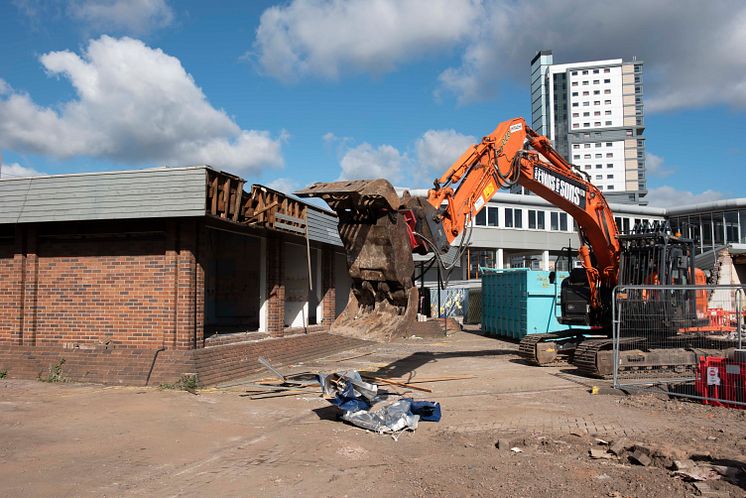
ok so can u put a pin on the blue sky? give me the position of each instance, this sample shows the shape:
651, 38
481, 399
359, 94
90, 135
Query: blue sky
307, 90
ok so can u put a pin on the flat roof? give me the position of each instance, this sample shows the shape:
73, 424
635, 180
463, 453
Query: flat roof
163, 192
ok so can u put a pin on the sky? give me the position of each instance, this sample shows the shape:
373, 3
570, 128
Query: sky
289, 93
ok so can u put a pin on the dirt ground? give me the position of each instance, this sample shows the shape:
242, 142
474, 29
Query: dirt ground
75, 440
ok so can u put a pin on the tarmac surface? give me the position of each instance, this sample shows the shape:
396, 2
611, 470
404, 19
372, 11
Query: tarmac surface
511, 430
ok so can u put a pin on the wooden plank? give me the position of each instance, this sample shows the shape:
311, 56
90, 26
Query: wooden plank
237, 204
225, 198
214, 193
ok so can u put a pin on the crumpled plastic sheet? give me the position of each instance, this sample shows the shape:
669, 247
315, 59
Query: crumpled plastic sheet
392, 418
355, 398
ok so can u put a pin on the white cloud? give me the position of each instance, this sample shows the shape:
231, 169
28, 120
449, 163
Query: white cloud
15, 170
435, 151
126, 16
366, 161
656, 166
667, 196
134, 104
438, 149
327, 37
286, 185
671, 36
498, 38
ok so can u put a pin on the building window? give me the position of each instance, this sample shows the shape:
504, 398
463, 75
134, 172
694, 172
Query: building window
574, 83
575, 104
595, 82
480, 219
586, 114
595, 71
576, 156
609, 165
628, 133
610, 176
610, 187
599, 177
598, 144
587, 166
607, 70
585, 94
513, 217
575, 114
597, 113
554, 221
596, 92
607, 81
535, 219
597, 123
563, 221
607, 91
607, 113
609, 154
598, 166
596, 102
585, 72
576, 146
586, 125
493, 218
587, 156
609, 144
574, 73
586, 103
575, 125
608, 123
587, 146
574, 94
585, 82
599, 155
607, 102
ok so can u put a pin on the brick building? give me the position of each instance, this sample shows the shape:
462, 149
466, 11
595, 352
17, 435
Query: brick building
141, 277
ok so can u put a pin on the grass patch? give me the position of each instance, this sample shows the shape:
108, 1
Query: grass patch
3, 373
187, 382
55, 373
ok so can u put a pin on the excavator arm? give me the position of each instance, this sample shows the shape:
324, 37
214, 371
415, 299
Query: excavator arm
516, 154
380, 230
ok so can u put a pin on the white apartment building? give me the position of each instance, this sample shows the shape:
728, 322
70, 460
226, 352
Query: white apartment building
593, 113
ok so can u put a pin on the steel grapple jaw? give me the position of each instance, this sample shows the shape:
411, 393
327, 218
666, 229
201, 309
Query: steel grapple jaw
377, 242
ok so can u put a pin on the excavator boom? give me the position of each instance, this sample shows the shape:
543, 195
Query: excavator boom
380, 230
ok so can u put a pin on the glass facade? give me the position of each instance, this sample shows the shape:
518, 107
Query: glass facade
712, 229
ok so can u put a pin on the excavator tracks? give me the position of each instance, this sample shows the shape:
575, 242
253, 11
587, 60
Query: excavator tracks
595, 358
541, 350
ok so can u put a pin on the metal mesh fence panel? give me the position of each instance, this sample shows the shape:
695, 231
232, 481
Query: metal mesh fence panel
687, 339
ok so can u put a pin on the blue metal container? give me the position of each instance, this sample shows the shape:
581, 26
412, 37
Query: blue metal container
517, 302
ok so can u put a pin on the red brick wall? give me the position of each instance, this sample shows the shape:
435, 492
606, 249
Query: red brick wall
10, 292
142, 367
103, 292
327, 272
275, 288
89, 285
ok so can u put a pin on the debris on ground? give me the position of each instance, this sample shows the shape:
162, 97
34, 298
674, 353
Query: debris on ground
280, 384
355, 399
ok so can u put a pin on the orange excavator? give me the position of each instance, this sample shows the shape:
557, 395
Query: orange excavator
381, 230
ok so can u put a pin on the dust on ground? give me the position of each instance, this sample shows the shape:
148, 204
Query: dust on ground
514, 430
